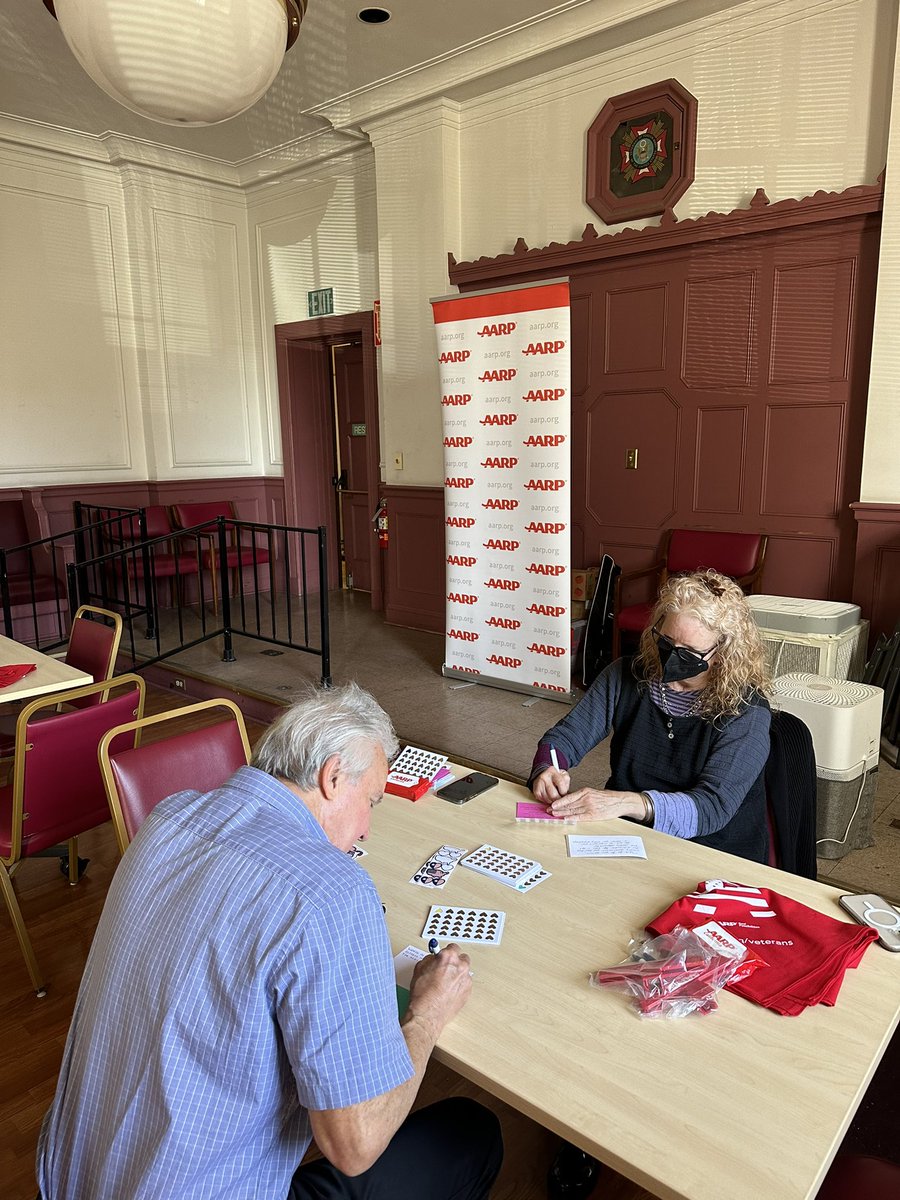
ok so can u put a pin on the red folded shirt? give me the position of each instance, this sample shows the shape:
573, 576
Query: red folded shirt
805, 951
14, 672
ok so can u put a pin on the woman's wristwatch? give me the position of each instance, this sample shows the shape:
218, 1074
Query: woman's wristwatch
649, 814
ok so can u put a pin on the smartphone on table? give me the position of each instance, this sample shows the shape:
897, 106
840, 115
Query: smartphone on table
459, 791
875, 911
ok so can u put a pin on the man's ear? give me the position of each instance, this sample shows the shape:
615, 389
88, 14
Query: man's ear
329, 776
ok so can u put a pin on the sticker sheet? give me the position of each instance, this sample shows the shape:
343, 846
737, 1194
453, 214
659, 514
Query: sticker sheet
423, 764
482, 925
437, 870
501, 865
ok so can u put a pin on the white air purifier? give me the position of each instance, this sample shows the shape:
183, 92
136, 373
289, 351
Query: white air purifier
819, 637
844, 719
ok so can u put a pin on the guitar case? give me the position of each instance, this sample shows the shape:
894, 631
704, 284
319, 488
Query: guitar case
598, 632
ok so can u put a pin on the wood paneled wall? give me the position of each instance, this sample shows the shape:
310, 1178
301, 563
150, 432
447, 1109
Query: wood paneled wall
732, 354
415, 568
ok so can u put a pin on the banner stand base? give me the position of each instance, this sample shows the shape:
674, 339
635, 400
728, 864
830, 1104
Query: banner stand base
508, 685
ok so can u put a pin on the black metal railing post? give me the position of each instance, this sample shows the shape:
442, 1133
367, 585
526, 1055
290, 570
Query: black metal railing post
323, 608
147, 560
224, 591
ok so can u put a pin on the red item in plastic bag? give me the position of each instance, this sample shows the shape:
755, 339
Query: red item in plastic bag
679, 972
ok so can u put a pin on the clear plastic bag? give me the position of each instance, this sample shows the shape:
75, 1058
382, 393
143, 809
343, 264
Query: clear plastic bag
680, 972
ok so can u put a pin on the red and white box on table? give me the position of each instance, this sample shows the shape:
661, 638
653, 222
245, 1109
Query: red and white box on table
410, 787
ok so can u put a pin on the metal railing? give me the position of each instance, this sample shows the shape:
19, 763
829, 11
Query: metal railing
291, 560
33, 595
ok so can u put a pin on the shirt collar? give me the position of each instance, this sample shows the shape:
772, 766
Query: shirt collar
266, 789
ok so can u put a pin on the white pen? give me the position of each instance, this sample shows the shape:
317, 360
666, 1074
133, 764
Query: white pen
553, 758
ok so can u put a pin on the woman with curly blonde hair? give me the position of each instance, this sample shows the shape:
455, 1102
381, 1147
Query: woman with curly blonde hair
689, 723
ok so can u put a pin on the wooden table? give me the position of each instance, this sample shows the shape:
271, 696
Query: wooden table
50, 675
740, 1105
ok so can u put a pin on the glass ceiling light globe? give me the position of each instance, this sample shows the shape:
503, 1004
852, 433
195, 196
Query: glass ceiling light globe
182, 62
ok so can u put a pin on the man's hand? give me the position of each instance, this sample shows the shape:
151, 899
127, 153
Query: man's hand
595, 804
441, 984
550, 785
353, 1137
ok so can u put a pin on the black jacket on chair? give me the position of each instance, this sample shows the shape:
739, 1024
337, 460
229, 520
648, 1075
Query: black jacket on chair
790, 777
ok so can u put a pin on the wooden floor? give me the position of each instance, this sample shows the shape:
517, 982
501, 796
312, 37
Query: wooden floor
61, 921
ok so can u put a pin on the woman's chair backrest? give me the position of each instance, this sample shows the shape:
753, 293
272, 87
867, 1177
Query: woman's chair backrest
93, 646
202, 759
738, 555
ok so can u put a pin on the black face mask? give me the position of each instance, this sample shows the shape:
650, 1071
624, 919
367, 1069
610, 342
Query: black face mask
678, 662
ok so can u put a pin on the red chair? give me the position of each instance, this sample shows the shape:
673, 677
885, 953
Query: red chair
57, 789
30, 574
861, 1177
93, 647
137, 779
167, 561
738, 555
238, 554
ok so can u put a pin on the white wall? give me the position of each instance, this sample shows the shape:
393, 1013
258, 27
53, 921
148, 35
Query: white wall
70, 397
314, 232
127, 337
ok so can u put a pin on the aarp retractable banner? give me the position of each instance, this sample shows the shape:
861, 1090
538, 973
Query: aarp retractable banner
505, 397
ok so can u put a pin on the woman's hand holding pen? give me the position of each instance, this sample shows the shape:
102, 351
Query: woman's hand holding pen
551, 785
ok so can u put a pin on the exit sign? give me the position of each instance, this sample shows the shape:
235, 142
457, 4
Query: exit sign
320, 303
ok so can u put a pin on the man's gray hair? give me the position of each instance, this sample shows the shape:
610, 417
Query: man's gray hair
345, 721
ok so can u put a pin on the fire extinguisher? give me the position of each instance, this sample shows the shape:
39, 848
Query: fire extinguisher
380, 524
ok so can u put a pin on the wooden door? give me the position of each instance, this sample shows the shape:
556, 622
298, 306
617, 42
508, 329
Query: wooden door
351, 461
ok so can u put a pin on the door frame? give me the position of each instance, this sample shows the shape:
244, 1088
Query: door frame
301, 412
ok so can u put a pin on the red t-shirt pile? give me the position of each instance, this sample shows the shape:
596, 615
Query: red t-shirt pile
805, 951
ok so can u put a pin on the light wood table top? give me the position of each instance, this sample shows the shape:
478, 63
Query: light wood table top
743, 1104
50, 674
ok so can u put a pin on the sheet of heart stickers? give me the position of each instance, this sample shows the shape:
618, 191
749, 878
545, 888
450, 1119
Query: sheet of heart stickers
422, 764
482, 925
513, 870
437, 870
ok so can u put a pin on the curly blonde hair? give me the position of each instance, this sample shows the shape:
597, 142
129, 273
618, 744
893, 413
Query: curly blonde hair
739, 667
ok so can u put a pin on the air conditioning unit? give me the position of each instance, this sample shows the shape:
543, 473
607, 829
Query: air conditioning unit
815, 637
844, 719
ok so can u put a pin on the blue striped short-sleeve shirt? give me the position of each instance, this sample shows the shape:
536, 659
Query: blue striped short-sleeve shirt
240, 975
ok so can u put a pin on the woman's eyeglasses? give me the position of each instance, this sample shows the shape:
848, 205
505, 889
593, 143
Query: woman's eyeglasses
684, 654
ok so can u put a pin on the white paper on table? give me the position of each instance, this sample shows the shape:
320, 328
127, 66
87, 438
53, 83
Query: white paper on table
586, 846
404, 965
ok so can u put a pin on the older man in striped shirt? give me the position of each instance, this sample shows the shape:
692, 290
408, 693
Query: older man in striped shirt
239, 999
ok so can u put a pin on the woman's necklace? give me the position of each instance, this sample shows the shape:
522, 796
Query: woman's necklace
688, 712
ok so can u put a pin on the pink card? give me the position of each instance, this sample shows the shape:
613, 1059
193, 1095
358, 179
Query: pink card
530, 810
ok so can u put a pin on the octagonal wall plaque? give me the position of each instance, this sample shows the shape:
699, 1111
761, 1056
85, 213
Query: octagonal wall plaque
640, 152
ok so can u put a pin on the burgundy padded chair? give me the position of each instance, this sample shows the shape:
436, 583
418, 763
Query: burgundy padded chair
57, 789
93, 646
27, 578
167, 561
238, 554
136, 779
738, 555
861, 1177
